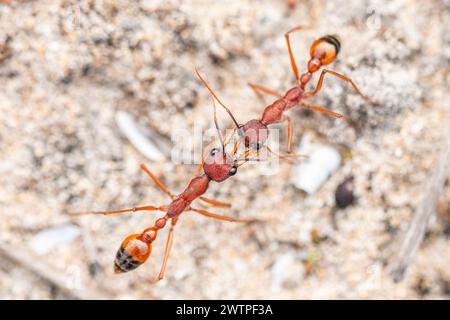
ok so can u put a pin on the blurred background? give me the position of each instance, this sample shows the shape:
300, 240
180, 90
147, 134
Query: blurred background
92, 88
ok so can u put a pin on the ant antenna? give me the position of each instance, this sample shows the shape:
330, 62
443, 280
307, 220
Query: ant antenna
218, 100
217, 127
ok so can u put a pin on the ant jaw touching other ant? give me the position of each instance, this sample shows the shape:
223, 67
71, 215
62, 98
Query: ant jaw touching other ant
219, 166
255, 134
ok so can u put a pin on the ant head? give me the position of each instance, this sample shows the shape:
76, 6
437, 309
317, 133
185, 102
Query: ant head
219, 166
255, 134
134, 251
326, 49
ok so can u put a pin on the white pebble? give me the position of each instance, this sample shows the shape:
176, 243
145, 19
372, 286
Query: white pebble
48, 239
130, 129
312, 173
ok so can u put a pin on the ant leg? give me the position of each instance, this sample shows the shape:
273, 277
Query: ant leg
199, 167
257, 89
321, 109
169, 243
342, 77
215, 203
248, 160
289, 147
228, 139
235, 148
291, 55
281, 157
146, 208
290, 132
249, 155
286, 156
223, 218
158, 183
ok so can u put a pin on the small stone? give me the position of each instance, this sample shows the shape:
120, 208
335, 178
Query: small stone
443, 209
281, 267
55, 237
311, 174
129, 128
344, 194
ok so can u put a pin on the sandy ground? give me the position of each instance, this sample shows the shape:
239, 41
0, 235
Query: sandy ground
66, 69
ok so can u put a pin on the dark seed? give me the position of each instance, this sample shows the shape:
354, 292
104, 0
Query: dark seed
344, 194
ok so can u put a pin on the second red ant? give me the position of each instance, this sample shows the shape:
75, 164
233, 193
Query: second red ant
254, 133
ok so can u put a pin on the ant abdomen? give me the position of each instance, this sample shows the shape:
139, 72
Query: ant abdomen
133, 252
325, 49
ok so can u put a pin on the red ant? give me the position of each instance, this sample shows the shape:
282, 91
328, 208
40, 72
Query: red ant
323, 51
218, 167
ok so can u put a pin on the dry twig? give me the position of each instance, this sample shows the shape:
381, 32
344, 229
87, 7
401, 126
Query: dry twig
425, 210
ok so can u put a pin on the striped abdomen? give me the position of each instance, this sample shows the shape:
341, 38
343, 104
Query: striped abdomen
132, 253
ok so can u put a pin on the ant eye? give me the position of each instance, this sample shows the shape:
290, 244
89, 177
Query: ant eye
233, 171
214, 151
